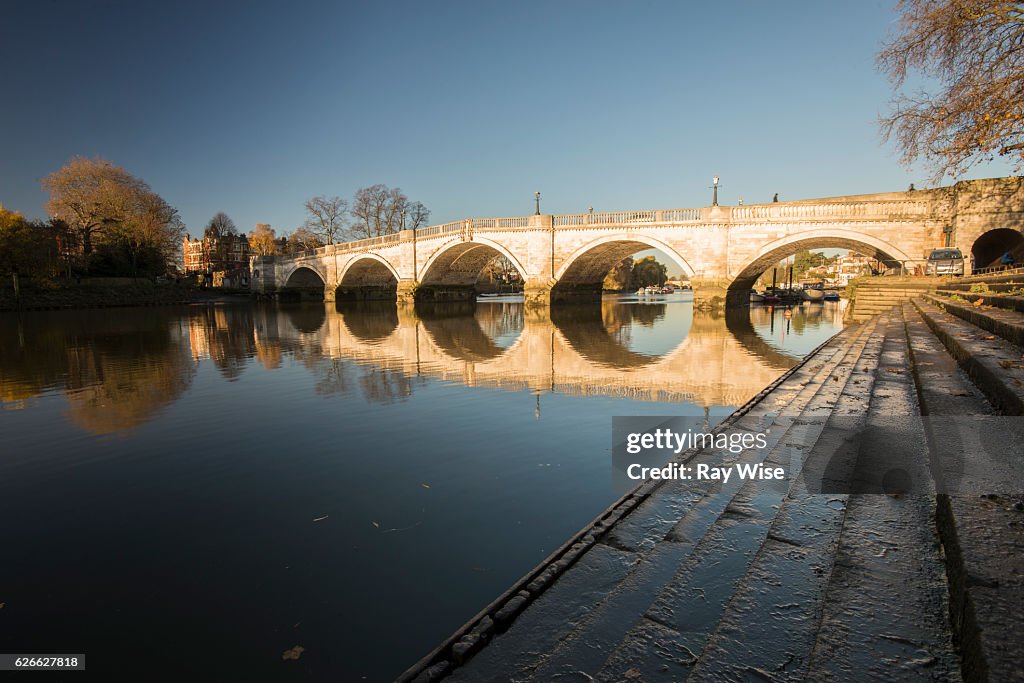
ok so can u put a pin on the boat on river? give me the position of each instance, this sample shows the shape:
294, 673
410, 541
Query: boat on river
812, 290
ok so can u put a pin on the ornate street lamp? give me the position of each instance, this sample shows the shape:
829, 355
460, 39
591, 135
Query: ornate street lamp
536, 198
714, 184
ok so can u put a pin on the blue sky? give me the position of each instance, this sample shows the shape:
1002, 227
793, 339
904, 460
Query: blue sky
251, 108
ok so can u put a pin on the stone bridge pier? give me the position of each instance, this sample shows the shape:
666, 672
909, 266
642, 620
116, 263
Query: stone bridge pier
721, 250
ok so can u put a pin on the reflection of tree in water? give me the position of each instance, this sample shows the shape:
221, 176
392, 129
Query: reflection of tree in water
226, 334
333, 377
619, 318
117, 370
32, 357
386, 385
502, 322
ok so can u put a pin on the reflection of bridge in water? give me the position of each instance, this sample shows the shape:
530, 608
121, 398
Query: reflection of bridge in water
721, 360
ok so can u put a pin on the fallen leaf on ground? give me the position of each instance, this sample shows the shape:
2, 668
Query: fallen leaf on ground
375, 524
426, 486
320, 519
293, 653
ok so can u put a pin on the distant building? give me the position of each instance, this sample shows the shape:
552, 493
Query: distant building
209, 255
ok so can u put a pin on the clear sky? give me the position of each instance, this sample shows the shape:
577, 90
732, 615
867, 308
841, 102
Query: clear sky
253, 107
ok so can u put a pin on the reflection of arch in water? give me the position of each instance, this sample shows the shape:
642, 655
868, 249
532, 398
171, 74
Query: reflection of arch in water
370, 321
459, 263
457, 332
990, 247
306, 318
775, 251
584, 328
587, 267
737, 321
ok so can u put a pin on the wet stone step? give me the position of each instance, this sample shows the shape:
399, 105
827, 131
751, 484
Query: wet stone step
538, 643
690, 606
771, 623
603, 630
886, 608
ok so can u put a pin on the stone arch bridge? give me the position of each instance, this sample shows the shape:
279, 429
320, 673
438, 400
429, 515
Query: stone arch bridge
721, 249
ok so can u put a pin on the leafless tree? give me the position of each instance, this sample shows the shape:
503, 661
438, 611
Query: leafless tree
378, 210
973, 50
326, 217
302, 240
219, 226
417, 216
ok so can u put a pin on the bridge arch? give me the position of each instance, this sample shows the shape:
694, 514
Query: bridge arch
459, 263
775, 251
588, 265
367, 269
367, 276
304, 276
990, 246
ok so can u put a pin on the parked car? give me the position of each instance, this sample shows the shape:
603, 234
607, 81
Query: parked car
945, 262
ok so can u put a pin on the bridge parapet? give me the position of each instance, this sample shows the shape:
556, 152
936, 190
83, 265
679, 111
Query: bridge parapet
870, 210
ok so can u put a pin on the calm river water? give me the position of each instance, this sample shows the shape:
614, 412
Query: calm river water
186, 493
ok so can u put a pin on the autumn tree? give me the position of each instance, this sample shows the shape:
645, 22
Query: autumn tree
113, 219
973, 53
91, 195
147, 241
263, 240
326, 217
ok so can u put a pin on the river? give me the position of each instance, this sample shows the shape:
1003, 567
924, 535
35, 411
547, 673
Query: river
187, 493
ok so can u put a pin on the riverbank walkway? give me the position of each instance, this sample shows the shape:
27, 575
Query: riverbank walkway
750, 581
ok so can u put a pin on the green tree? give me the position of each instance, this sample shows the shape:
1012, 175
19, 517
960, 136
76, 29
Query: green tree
620, 277
26, 247
649, 271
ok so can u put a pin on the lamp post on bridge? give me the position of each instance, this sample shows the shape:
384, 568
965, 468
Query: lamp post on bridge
714, 184
536, 198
